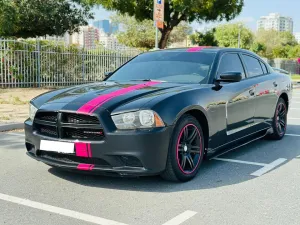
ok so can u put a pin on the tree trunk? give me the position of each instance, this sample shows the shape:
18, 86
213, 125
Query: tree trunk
165, 34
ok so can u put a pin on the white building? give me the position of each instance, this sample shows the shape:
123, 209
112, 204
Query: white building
63, 39
275, 21
109, 41
297, 36
88, 36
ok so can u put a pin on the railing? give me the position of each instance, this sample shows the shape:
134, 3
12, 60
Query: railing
38, 63
291, 66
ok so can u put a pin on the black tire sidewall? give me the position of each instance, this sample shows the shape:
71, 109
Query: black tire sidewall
276, 135
173, 144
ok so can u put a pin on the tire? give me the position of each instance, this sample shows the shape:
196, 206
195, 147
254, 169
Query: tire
279, 121
186, 150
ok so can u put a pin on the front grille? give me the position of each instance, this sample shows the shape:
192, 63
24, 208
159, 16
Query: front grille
46, 116
79, 119
69, 126
82, 133
72, 158
45, 130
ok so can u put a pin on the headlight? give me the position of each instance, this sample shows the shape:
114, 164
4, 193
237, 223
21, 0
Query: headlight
139, 119
32, 111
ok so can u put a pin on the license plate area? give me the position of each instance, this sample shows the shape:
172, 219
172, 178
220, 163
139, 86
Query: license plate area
57, 146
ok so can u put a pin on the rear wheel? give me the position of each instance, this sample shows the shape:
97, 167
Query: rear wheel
279, 121
186, 150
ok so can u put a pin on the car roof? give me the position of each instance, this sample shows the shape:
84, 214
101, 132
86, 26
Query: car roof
205, 49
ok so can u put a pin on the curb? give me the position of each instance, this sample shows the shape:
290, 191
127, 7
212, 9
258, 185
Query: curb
11, 126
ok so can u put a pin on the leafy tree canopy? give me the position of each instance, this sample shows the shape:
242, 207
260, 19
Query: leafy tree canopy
206, 38
227, 35
141, 34
32, 18
259, 48
294, 52
273, 38
176, 11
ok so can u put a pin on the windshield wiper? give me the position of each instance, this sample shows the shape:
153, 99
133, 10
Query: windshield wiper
147, 80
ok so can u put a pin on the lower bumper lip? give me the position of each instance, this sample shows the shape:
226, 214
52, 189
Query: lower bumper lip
96, 169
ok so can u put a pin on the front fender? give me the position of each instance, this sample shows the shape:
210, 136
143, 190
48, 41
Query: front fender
172, 107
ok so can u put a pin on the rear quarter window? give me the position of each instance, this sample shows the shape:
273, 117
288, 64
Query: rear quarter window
253, 66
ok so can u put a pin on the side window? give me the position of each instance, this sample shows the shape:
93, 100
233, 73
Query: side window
253, 66
264, 67
231, 63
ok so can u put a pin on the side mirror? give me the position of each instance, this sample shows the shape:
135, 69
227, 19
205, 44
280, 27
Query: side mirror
230, 77
107, 74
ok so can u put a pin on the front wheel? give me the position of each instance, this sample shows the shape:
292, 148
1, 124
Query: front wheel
279, 122
186, 150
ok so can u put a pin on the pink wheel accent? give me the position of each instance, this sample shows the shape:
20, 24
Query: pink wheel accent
177, 149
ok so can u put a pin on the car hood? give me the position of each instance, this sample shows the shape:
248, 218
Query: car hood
104, 95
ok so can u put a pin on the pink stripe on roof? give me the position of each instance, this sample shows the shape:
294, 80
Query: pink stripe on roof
95, 103
196, 49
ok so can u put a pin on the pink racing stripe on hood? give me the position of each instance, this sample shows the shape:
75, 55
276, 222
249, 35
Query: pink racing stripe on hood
95, 103
196, 49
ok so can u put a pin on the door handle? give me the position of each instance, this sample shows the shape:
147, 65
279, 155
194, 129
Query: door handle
251, 92
275, 84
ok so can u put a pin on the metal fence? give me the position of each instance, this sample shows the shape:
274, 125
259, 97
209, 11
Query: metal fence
292, 66
41, 63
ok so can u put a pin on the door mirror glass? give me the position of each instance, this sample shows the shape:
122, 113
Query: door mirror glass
231, 77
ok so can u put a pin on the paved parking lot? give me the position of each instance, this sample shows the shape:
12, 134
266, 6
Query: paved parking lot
256, 184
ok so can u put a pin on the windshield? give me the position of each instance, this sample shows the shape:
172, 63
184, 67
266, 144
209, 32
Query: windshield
170, 66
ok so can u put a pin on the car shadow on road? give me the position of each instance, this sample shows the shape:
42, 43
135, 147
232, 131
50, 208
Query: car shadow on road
212, 174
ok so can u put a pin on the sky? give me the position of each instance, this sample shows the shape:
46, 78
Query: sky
251, 12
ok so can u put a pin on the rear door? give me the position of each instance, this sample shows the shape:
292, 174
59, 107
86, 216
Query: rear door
266, 89
240, 107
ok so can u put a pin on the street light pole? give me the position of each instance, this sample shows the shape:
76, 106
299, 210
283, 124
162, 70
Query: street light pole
156, 36
239, 38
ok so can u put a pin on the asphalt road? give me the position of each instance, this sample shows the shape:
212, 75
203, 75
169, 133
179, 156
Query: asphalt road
256, 184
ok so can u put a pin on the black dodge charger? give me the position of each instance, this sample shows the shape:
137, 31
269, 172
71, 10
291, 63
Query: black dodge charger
160, 113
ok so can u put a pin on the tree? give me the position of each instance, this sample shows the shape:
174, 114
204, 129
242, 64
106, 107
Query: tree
281, 51
204, 38
274, 38
176, 11
259, 48
294, 52
32, 18
275, 41
141, 34
227, 35
8, 15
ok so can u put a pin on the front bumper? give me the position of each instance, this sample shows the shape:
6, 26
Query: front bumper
142, 152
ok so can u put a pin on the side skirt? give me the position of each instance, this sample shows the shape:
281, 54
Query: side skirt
239, 143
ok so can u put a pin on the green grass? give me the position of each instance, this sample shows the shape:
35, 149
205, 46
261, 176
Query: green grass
4, 118
295, 77
13, 100
18, 101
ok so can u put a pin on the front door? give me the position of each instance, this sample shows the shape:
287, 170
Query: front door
240, 107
